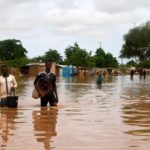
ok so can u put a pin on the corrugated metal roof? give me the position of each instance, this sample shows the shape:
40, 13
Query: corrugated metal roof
35, 64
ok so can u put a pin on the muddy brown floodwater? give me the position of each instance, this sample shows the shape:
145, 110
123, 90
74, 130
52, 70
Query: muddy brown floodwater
115, 116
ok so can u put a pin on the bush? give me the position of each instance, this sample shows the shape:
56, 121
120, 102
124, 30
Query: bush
18, 62
123, 69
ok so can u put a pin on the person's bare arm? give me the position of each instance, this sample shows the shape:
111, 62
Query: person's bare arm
14, 82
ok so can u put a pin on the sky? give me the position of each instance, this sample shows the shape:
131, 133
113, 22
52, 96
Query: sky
55, 24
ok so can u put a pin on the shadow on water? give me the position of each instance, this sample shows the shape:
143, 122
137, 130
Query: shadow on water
44, 121
7, 125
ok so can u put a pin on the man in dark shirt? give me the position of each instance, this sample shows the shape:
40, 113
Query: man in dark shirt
51, 97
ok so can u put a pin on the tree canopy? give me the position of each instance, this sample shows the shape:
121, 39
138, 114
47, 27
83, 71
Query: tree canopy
100, 57
105, 59
11, 49
137, 43
76, 56
51, 54
80, 57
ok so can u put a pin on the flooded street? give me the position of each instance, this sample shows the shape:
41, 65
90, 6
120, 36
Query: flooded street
115, 116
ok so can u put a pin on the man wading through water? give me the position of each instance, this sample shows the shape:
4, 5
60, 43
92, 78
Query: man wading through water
45, 81
7, 85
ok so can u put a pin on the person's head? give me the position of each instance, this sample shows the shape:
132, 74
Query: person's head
4, 70
48, 65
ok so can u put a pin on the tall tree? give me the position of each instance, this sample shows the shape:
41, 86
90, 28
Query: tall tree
11, 49
103, 59
110, 61
137, 43
53, 55
76, 56
100, 57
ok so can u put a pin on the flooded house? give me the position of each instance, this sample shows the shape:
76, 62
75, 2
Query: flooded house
32, 69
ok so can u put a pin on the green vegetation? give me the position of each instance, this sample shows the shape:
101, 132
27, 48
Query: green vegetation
14, 53
105, 59
137, 45
77, 57
11, 49
131, 63
50, 54
18, 62
80, 57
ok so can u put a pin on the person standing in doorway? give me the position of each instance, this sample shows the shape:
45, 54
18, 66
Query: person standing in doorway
46, 81
7, 85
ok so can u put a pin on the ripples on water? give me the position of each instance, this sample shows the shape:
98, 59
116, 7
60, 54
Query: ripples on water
115, 116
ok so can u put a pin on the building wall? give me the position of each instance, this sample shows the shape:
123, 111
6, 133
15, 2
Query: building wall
35, 69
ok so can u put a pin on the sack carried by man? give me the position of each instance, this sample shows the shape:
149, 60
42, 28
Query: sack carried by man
41, 87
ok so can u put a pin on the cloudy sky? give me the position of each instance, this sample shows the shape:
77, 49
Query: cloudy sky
44, 24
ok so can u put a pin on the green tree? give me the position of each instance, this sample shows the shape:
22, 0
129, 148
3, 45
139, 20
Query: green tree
137, 43
53, 55
18, 62
38, 59
50, 54
131, 63
76, 56
110, 61
103, 59
100, 57
91, 61
11, 49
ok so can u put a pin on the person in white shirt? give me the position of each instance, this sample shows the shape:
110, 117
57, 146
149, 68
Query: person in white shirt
7, 84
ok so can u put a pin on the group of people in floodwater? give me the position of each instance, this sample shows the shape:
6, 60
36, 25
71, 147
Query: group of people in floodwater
44, 86
141, 72
101, 75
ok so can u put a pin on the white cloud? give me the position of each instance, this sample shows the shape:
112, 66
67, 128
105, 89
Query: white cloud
118, 6
53, 23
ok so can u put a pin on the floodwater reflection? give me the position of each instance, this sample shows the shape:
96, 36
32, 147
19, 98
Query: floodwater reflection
138, 115
113, 117
7, 125
44, 122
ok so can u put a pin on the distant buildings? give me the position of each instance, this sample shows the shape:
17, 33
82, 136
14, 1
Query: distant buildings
32, 69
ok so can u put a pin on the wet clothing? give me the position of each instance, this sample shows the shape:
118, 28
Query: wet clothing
99, 80
3, 102
6, 90
51, 97
6, 83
